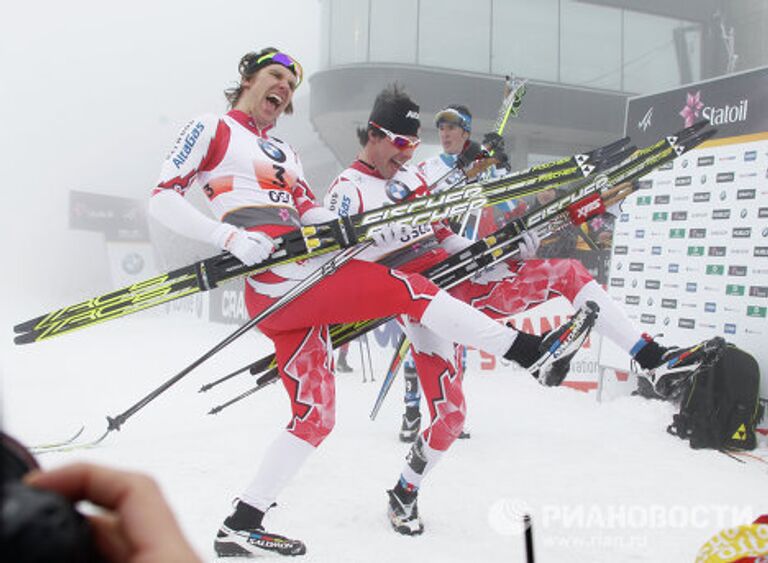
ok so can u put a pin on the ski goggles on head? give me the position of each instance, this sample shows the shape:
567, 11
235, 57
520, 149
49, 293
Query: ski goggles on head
450, 115
400, 141
277, 57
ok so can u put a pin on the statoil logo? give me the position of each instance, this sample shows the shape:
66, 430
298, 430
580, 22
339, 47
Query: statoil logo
694, 107
660, 216
695, 251
715, 269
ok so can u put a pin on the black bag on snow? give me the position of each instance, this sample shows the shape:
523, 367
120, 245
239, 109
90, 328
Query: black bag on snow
721, 406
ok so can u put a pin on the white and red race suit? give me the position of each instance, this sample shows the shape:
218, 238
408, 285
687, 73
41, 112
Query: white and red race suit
500, 292
256, 182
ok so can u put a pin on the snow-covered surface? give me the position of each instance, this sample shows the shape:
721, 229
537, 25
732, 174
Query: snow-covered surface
603, 481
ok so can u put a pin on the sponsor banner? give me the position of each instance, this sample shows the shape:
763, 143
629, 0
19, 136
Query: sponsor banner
700, 229
227, 305
119, 218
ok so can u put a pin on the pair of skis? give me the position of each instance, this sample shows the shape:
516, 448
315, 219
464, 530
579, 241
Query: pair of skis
576, 206
502, 244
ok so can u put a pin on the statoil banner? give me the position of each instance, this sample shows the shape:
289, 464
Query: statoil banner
690, 252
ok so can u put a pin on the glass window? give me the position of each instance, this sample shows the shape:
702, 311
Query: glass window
348, 31
650, 57
450, 37
325, 26
393, 31
525, 38
590, 45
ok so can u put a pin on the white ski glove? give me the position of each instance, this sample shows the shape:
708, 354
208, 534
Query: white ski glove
529, 244
391, 236
250, 247
455, 244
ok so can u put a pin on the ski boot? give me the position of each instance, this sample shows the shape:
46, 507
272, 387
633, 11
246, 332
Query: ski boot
559, 346
242, 535
409, 430
677, 365
403, 512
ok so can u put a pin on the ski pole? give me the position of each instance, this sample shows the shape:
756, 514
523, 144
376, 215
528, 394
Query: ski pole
394, 366
114, 423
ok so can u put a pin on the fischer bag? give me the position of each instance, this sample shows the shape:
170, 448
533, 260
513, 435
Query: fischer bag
721, 406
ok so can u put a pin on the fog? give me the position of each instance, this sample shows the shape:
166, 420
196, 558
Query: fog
92, 95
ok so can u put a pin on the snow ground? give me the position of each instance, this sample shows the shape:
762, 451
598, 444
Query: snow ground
603, 481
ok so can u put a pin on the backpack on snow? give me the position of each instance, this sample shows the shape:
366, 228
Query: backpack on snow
721, 406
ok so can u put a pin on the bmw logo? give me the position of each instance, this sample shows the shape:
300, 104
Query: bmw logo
133, 263
271, 150
397, 191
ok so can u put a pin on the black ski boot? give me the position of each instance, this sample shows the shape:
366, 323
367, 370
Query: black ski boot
409, 430
403, 512
554, 350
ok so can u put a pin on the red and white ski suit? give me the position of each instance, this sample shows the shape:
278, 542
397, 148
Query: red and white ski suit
505, 289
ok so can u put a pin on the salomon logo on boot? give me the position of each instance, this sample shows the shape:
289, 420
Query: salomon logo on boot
559, 346
244, 543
